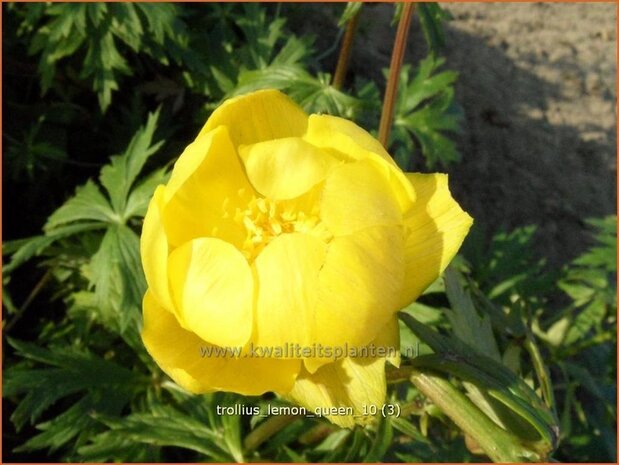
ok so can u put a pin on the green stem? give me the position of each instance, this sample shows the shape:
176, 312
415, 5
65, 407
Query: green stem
541, 370
397, 56
398, 375
344, 58
498, 444
267, 429
33, 294
317, 433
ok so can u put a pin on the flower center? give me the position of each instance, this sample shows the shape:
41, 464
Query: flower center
265, 219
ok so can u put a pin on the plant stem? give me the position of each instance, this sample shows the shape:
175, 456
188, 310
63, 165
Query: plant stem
35, 291
397, 56
398, 375
317, 433
498, 444
541, 370
344, 58
267, 429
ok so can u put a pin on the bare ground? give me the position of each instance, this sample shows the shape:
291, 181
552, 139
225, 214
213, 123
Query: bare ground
539, 142
537, 84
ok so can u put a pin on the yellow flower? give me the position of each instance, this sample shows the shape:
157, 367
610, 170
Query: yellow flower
283, 230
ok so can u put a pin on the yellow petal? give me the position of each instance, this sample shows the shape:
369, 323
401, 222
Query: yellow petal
282, 169
351, 142
389, 339
360, 285
212, 287
154, 251
259, 116
435, 228
354, 385
357, 196
207, 185
386, 344
343, 135
182, 355
287, 279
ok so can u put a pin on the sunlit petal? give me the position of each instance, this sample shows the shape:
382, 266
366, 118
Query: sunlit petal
212, 287
356, 197
435, 228
259, 116
360, 285
154, 251
207, 186
346, 140
282, 169
287, 280
356, 384
184, 357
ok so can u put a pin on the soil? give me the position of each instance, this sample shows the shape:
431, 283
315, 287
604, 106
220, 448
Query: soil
537, 85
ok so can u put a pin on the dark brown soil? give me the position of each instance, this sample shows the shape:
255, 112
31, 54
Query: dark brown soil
539, 143
537, 84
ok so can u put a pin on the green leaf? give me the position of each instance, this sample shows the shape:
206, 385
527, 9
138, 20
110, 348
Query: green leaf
498, 444
424, 110
425, 84
112, 446
140, 196
585, 379
467, 324
604, 254
84, 36
103, 61
456, 350
431, 17
162, 20
489, 376
89, 210
119, 176
407, 428
88, 204
24, 249
315, 95
508, 267
410, 345
590, 317
499, 383
333, 442
382, 441
165, 427
70, 372
116, 273
459, 359
294, 51
58, 431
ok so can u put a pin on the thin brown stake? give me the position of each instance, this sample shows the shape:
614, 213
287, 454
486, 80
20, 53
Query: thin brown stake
397, 56
344, 58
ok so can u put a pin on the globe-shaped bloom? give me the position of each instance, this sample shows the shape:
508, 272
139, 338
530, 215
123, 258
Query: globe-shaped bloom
283, 230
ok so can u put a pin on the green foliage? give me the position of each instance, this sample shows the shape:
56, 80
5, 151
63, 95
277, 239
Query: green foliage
582, 341
69, 372
424, 111
576, 341
506, 267
25, 153
273, 59
93, 32
431, 17
112, 268
90, 209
